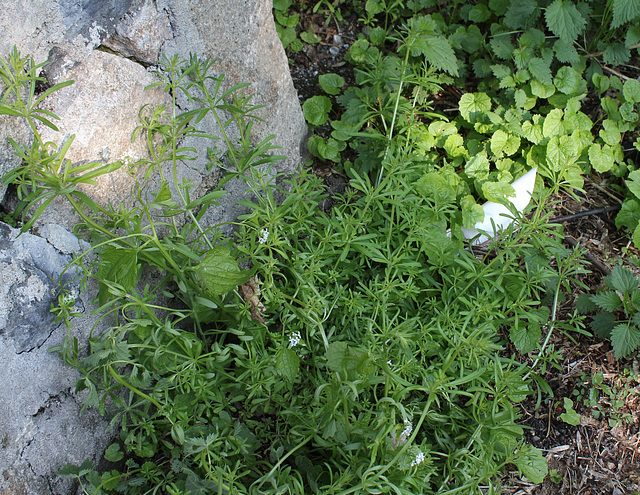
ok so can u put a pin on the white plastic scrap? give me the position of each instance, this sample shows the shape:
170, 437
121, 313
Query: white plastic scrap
498, 216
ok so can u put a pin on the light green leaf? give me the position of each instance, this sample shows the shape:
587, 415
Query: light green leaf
625, 11
282, 5
633, 183
472, 212
610, 133
601, 159
629, 214
454, 146
526, 337
531, 463
631, 90
542, 90
532, 131
498, 192
119, 266
331, 83
309, 37
570, 417
220, 272
478, 166
438, 52
287, 364
473, 105
316, 110
336, 354
564, 20
625, 339
503, 143
552, 125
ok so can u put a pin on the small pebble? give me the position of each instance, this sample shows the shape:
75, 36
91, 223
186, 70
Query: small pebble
334, 51
337, 39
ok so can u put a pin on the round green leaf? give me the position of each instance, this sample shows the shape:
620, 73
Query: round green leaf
316, 110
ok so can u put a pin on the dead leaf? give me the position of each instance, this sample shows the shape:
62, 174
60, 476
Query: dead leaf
250, 292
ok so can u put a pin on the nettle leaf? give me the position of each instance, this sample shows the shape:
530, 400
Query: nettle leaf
531, 463
623, 279
287, 363
564, 20
220, 272
584, 304
438, 52
625, 339
540, 70
566, 52
616, 54
501, 45
632, 37
331, 83
520, 13
625, 11
608, 300
316, 110
601, 159
567, 80
479, 13
503, 143
603, 323
473, 105
631, 90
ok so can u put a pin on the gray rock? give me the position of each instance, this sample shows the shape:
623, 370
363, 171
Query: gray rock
40, 426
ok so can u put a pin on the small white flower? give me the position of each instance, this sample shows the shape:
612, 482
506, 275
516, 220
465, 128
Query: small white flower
389, 363
418, 460
264, 235
408, 428
294, 339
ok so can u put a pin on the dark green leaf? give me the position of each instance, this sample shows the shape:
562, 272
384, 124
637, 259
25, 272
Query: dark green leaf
520, 13
584, 304
316, 110
616, 54
625, 11
287, 363
625, 339
623, 279
118, 265
603, 323
113, 453
608, 300
220, 273
331, 83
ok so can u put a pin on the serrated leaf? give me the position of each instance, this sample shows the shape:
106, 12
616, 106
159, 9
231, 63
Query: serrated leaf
631, 90
479, 13
540, 70
632, 37
625, 11
566, 52
520, 13
473, 105
438, 52
531, 463
501, 45
607, 300
316, 110
113, 453
584, 304
616, 54
287, 364
625, 339
331, 83
220, 272
602, 324
564, 20
623, 279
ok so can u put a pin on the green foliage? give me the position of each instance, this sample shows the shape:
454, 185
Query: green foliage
619, 304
